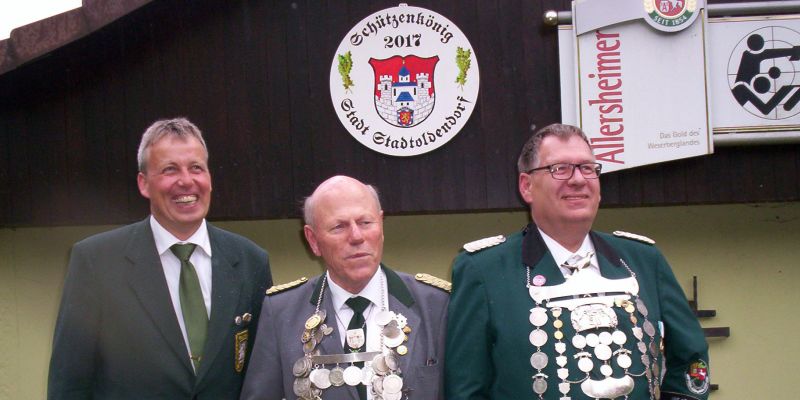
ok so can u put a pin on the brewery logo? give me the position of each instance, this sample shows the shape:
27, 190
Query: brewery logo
404, 81
764, 72
670, 15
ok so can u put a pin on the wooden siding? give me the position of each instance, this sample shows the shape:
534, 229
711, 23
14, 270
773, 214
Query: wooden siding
253, 75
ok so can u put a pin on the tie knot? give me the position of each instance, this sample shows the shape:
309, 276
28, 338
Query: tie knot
358, 304
578, 261
183, 251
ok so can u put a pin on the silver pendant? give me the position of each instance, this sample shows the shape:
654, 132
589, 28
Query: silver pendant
579, 341
619, 338
539, 360
538, 337
320, 377
539, 385
606, 370
355, 338
392, 384
608, 388
538, 316
624, 361
301, 387
336, 376
602, 352
352, 375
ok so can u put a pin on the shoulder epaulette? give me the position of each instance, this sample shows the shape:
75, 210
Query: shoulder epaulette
481, 244
286, 286
434, 281
628, 235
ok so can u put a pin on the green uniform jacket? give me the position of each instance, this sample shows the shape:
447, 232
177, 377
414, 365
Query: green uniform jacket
488, 328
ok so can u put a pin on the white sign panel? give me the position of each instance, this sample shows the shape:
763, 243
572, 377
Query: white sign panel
642, 95
755, 74
404, 81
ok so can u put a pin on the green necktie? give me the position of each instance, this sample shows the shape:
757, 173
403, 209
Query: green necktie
195, 317
358, 304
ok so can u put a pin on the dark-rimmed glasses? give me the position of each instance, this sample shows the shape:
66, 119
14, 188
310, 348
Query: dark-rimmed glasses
564, 171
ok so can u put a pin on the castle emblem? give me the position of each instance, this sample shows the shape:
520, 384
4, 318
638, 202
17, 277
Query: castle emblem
404, 91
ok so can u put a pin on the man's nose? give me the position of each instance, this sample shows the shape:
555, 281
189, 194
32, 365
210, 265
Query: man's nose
356, 236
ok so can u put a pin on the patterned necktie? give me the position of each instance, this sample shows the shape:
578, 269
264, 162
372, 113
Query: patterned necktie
578, 262
195, 316
358, 304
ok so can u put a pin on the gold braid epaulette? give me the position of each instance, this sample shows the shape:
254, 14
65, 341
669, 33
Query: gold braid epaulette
286, 286
434, 281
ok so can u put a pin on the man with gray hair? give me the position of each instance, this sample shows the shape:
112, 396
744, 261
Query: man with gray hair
165, 308
359, 331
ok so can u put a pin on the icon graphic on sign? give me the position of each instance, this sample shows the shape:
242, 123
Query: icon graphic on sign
404, 89
764, 72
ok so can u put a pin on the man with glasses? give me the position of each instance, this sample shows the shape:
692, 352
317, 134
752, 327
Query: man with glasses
559, 311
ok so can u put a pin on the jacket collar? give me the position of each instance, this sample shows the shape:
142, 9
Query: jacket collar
534, 248
394, 286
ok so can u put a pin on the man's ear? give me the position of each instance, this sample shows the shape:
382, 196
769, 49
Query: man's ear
141, 181
524, 184
312, 239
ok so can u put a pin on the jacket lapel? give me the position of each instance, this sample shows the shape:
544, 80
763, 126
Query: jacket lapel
146, 278
226, 286
536, 255
401, 302
610, 264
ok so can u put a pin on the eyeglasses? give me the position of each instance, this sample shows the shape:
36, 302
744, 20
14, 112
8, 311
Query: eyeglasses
564, 171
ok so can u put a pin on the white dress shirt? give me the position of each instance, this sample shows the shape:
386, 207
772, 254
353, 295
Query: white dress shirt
344, 313
561, 254
201, 259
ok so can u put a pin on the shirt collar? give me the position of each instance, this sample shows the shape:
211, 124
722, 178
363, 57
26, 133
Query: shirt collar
371, 292
165, 240
561, 254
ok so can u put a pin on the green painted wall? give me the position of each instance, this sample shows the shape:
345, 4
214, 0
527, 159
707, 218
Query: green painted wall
743, 255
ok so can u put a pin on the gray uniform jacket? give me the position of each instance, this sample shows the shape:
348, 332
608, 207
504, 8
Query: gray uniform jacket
117, 336
282, 321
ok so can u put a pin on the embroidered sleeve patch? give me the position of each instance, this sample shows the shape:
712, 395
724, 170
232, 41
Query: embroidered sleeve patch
697, 380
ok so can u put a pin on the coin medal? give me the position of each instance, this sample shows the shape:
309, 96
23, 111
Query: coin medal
538, 316
392, 384
606, 370
392, 336
355, 338
306, 336
538, 337
539, 360
585, 364
539, 385
377, 384
592, 339
320, 377
619, 338
302, 387
402, 350
579, 341
624, 361
309, 346
367, 373
602, 352
391, 396
352, 375
301, 367
379, 365
315, 319
336, 376
391, 361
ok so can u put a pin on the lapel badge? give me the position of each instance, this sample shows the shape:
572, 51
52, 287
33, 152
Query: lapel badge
240, 349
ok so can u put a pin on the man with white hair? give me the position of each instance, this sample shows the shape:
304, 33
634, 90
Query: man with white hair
360, 330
